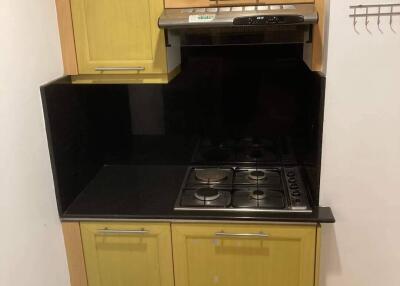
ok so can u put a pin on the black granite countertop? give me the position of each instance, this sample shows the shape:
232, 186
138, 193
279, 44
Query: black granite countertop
149, 192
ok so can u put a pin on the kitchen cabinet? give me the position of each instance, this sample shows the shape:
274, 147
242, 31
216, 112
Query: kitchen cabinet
122, 254
209, 3
237, 255
119, 36
115, 41
192, 254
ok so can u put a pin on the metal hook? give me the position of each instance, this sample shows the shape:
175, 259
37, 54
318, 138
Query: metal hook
355, 20
379, 20
366, 20
391, 18
379, 17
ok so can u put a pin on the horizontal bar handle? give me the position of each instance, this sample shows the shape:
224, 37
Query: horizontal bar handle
373, 15
241, 235
122, 231
373, 6
120, 69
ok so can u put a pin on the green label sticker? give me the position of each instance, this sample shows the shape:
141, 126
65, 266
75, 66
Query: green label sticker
201, 18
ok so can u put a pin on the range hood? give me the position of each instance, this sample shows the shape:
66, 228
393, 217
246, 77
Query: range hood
239, 16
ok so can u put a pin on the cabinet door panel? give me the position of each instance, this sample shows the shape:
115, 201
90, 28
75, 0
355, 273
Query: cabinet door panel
120, 34
284, 258
123, 257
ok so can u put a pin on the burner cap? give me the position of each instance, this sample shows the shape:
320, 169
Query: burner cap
258, 195
211, 175
257, 175
207, 194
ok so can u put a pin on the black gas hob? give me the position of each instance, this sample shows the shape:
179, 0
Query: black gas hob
234, 188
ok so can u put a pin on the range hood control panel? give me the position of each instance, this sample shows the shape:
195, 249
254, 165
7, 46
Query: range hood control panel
268, 20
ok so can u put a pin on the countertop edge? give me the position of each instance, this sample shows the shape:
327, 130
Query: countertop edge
326, 217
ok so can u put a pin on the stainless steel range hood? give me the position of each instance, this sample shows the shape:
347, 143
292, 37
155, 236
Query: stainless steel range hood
240, 16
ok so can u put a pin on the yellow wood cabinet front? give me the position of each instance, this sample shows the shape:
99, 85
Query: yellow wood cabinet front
119, 36
239, 255
126, 254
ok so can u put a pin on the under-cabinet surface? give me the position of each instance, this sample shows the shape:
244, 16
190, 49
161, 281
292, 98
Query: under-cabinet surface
213, 3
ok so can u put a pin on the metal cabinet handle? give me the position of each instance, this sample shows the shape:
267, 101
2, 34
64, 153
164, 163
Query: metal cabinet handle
241, 235
120, 69
121, 231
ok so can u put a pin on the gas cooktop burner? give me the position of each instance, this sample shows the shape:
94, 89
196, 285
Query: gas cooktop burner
211, 175
228, 151
257, 198
232, 188
258, 195
257, 175
207, 194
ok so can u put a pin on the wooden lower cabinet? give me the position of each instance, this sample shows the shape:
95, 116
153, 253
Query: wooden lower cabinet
192, 254
241, 255
127, 254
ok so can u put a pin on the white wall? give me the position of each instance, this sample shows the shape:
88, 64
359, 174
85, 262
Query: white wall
31, 244
361, 155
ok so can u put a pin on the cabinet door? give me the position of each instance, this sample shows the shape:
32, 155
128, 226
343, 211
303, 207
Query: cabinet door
126, 254
119, 36
241, 255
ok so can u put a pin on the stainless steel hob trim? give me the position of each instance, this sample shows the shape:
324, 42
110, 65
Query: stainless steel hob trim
285, 190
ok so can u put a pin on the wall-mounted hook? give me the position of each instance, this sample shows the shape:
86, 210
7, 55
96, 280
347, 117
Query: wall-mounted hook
379, 20
366, 20
367, 14
355, 20
391, 19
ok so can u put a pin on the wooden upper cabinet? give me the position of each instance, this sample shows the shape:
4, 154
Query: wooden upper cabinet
208, 3
119, 36
126, 254
237, 255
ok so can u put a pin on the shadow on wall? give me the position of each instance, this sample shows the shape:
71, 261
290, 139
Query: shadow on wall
330, 257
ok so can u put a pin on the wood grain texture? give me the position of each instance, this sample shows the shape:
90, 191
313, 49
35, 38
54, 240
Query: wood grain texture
120, 259
73, 246
119, 34
317, 255
285, 258
208, 3
318, 48
67, 40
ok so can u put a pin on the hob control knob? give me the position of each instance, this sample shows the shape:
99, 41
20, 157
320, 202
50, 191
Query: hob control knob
291, 173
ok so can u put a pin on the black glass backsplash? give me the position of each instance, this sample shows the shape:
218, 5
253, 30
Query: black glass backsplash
248, 105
